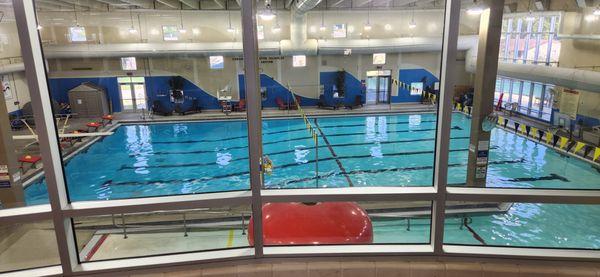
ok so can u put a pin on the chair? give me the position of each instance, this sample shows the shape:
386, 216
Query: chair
281, 104
294, 104
186, 107
160, 108
326, 103
357, 102
240, 106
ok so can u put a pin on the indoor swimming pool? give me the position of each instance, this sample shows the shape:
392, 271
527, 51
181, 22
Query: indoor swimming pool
377, 150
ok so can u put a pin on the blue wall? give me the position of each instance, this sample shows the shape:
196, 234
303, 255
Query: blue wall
409, 76
274, 90
158, 86
59, 88
353, 86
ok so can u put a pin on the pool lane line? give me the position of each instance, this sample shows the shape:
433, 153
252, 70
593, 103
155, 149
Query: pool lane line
383, 170
275, 153
294, 139
303, 128
393, 154
223, 176
475, 235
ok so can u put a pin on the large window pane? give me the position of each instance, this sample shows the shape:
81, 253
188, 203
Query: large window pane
27, 245
21, 163
116, 99
536, 100
525, 225
525, 97
162, 232
387, 144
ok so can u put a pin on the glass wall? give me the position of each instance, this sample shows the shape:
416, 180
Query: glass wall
525, 97
350, 148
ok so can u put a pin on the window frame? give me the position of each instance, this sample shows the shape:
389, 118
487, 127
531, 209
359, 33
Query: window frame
61, 210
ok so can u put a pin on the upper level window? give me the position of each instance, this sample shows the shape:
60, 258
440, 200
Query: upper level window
530, 39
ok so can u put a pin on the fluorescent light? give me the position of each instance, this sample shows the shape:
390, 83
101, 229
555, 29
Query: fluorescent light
476, 9
412, 24
368, 26
132, 30
230, 29
322, 28
183, 31
530, 17
267, 15
590, 18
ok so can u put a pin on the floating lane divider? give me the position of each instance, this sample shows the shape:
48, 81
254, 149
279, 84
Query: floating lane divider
311, 130
565, 144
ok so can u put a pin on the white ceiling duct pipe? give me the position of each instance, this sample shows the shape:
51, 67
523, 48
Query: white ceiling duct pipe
11, 68
565, 77
153, 49
578, 36
299, 42
394, 45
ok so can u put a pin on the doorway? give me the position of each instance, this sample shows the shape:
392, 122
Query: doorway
378, 87
133, 93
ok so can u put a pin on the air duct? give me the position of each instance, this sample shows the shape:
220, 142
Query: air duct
299, 42
11, 68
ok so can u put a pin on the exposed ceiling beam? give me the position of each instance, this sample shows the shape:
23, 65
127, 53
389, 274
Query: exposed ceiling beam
170, 3
581, 3
191, 3
138, 3
68, 3
218, 2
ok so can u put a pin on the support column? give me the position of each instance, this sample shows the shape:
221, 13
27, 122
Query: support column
444, 121
253, 100
490, 29
11, 190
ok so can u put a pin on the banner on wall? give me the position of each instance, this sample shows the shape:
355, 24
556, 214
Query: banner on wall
569, 101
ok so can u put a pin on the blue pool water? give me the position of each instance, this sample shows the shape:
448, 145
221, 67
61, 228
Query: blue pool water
378, 150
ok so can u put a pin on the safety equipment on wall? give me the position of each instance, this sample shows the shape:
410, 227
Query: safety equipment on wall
489, 122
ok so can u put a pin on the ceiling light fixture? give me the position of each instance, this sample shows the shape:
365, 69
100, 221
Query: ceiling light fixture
368, 26
530, 16
132, 29
181, 29
387, 27
268, 13
475, 9
39, 27
596, 11
230, 29
412, 24
322, 28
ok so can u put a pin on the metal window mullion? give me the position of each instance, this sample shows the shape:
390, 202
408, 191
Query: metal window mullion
444, 120
254, 116
35, 72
